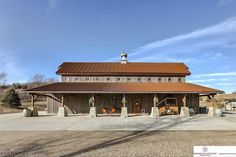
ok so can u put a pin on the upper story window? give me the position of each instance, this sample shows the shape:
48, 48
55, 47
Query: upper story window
108, 79
76, 78
179, 79
118, 79
139, 79
159, 79
128, 79
97, 79
169, 79
149, 79
86, 79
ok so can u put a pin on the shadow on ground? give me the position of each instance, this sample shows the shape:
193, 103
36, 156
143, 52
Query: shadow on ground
43, 146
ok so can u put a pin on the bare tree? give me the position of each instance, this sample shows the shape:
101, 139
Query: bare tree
51, 80
38, 79
3, 78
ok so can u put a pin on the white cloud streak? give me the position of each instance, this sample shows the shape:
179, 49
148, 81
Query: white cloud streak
224, 2
225, 27
217, 74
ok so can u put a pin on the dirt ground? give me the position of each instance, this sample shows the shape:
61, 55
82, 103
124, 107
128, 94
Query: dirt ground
132, 144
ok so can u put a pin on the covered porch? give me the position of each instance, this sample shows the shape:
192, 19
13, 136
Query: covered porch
111, 104
121, 98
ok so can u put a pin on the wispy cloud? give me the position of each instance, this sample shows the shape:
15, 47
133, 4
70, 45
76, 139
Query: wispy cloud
224, 2
217, 74
210, 32
208, 52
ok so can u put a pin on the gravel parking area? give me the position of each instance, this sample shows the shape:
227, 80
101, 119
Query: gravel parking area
44, 122
104, 144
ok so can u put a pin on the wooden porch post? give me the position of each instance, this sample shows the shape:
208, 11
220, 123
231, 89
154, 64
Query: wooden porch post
32, 100
184, 100
34, 109
62, 101
124, 100
93, 103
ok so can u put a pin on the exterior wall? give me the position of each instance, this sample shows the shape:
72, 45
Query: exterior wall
120, 79
78, 103
192, 101
52, 106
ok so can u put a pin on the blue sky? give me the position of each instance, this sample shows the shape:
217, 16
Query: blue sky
36, 36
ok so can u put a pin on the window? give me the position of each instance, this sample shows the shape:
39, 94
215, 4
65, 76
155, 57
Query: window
118, 79
86, 79
97, 79
179, 79
159, 79
149, 79
128, 79
169, 79
76, 79
139, 79
108, 79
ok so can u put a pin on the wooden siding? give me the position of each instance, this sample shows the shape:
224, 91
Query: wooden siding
120, 79
78, 103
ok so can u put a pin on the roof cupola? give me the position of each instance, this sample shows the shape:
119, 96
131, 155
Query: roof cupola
124, 58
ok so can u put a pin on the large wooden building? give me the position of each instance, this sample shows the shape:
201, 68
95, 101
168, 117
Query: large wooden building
122, 88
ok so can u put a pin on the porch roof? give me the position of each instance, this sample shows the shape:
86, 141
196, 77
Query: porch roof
140, 87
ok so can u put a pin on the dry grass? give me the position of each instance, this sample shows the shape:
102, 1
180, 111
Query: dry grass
4, 109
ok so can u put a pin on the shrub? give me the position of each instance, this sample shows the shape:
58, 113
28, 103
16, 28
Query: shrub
207, 99
11, 98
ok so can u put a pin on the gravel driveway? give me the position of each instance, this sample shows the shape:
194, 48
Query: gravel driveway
106, 144
16, 121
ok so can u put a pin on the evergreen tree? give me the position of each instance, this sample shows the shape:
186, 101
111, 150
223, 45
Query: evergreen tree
11, 98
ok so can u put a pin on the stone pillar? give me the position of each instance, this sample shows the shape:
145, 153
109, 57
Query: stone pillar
92, 112
26, 113
211, 111
124, 111
62, 112
34, 112
155, 110
184, 110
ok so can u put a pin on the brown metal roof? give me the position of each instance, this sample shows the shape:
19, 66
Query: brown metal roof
118, 69
61, 87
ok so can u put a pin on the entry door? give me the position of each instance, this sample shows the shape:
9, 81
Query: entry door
136, 105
